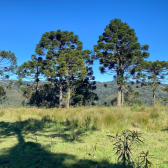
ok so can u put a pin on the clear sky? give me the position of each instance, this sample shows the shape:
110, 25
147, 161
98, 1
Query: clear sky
22, 22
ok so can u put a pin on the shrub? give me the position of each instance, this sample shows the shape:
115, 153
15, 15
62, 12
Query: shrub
138, 101
123, 146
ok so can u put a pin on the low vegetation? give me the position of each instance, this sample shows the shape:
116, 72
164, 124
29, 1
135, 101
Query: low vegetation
77, 137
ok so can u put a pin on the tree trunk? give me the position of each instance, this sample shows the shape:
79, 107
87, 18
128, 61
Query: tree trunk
37, 88
154, 96
60, 92
122, 95
68, 96
120, 87
68, 90
119, 96
37, 96
122, 83
118, 84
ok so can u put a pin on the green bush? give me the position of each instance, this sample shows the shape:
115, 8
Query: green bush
138, 101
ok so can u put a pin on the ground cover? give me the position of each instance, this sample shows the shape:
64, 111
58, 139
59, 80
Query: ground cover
77, 137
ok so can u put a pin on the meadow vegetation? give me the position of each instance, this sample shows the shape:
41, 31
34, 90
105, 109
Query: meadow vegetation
80, 137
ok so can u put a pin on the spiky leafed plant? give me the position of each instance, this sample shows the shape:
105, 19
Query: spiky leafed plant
124, 145
145, 162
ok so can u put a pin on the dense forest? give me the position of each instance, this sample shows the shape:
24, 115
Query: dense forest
60, 73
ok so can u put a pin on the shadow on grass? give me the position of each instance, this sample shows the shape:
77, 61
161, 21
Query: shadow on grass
165, 129
69, 132
33, 155
68, 136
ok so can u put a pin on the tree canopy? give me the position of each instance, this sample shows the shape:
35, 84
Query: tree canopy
8, 63
65, 59
33, 69
152, 73
118, 50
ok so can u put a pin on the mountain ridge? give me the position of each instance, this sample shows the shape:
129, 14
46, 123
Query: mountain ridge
105, 94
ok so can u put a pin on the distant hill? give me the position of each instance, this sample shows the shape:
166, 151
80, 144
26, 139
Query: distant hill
105, 94
14, 96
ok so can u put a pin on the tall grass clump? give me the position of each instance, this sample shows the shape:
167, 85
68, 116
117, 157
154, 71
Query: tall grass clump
96, 123
109, 119
96, 118
154, 112
74, 127
2, 113
154, 126
115, 121
19, 116
87, 122
141, 119
167, 123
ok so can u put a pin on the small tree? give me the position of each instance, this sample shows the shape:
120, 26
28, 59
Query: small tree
118, 50
132, 96
153, 73
32, 69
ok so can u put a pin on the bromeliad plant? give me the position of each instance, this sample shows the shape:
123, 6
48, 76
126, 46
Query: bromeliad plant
124, 146
145, 162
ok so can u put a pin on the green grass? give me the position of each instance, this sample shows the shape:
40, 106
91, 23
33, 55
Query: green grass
77, 137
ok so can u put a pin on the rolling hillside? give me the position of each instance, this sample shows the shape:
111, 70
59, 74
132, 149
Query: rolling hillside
105, 94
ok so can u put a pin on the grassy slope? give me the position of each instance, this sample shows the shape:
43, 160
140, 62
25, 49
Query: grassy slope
44, 137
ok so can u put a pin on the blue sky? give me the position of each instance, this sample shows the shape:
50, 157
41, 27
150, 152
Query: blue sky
22, 22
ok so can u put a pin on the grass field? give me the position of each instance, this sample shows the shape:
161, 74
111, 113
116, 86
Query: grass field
77, 137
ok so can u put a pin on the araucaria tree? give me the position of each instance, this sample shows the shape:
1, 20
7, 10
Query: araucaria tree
153, 73
65, 59
118, 51
7, 66
7, 63
72, 65
32, 69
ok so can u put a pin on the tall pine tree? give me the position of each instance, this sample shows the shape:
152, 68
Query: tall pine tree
118, 49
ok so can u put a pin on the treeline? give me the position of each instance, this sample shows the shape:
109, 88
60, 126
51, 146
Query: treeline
60, 60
